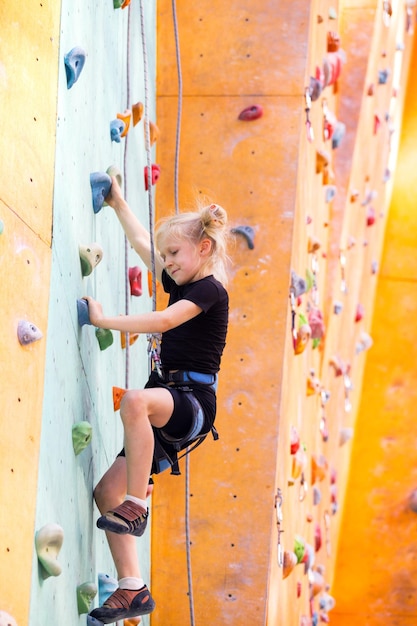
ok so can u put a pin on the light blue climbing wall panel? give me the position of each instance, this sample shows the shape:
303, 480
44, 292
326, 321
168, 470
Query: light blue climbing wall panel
79, 377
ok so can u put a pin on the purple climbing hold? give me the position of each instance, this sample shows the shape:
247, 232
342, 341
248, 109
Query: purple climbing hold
248, 233
100, 187
28, 332
74, 62
82, 311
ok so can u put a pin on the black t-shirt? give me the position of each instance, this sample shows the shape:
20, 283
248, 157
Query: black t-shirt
197, 345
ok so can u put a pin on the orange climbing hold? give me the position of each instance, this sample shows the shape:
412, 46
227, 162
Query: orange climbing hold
118, 394
137, 112
125, 117
132, 338
154, 132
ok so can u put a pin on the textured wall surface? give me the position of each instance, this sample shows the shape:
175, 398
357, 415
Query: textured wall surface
60, 136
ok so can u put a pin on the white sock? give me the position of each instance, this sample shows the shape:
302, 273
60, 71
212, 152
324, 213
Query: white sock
130, 582
138, 501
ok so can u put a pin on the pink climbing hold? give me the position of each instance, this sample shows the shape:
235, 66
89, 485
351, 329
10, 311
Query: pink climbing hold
135, 280
155, 173
251, 113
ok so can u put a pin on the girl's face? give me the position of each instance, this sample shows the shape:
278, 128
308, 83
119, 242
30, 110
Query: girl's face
183, 259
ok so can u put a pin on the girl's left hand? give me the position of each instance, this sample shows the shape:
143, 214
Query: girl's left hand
95, 311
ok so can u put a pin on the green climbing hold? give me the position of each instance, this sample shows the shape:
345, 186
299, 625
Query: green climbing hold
104, 338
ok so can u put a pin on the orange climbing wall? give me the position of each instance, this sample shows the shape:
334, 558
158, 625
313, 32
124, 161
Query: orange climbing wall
265, 173
27, 127
376, 572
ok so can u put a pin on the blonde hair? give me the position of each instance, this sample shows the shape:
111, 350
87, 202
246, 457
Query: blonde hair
208, 221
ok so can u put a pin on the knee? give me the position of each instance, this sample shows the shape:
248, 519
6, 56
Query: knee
133, 405
105, 495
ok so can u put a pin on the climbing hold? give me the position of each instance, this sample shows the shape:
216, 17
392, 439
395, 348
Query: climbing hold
318, 540
313, 384
318, 468
1, 227
289, 562
377, 123
322, 161
370, 216
6, 619
48, 542
82, 311
338, 134
154, 132
248, 233
299, 548
117, 4
316, 323
74, 62
333, 41
117, 130
332, 67
135, 281
137, 112
326, 602
345, 434
383, 76
340, 367
251, 113
330, 193
154, 175
132, 338
92, 621
133, 621
118, 394
302, 336
125, 117
337, 307
364, 343
313, 244
299, 463
106, 586
316, 495
294, 440
28, 333
316, 583
315, 88
125, 4
90, 257
82, 433
298, 285
85, 596
100, 187
371, 90
104, 337
360, 311
332, 13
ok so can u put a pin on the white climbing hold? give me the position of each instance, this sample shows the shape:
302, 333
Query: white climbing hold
6, 619
48, 542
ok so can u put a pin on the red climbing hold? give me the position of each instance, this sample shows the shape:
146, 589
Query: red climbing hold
135, 280
251, 113
155, 173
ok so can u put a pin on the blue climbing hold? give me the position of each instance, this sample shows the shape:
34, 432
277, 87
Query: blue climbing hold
74, 62
117, 128
248, 233
100, 186
92, 621
106, 586
82, 310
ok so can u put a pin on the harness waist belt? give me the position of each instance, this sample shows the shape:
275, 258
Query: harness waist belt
190, 377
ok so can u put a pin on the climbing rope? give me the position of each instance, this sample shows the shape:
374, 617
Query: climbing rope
179, 106
126, 242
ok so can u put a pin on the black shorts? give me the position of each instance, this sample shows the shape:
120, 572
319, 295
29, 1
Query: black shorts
181, 420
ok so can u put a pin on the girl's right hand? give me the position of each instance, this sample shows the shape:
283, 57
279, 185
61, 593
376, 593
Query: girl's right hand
115, 197
95, 311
